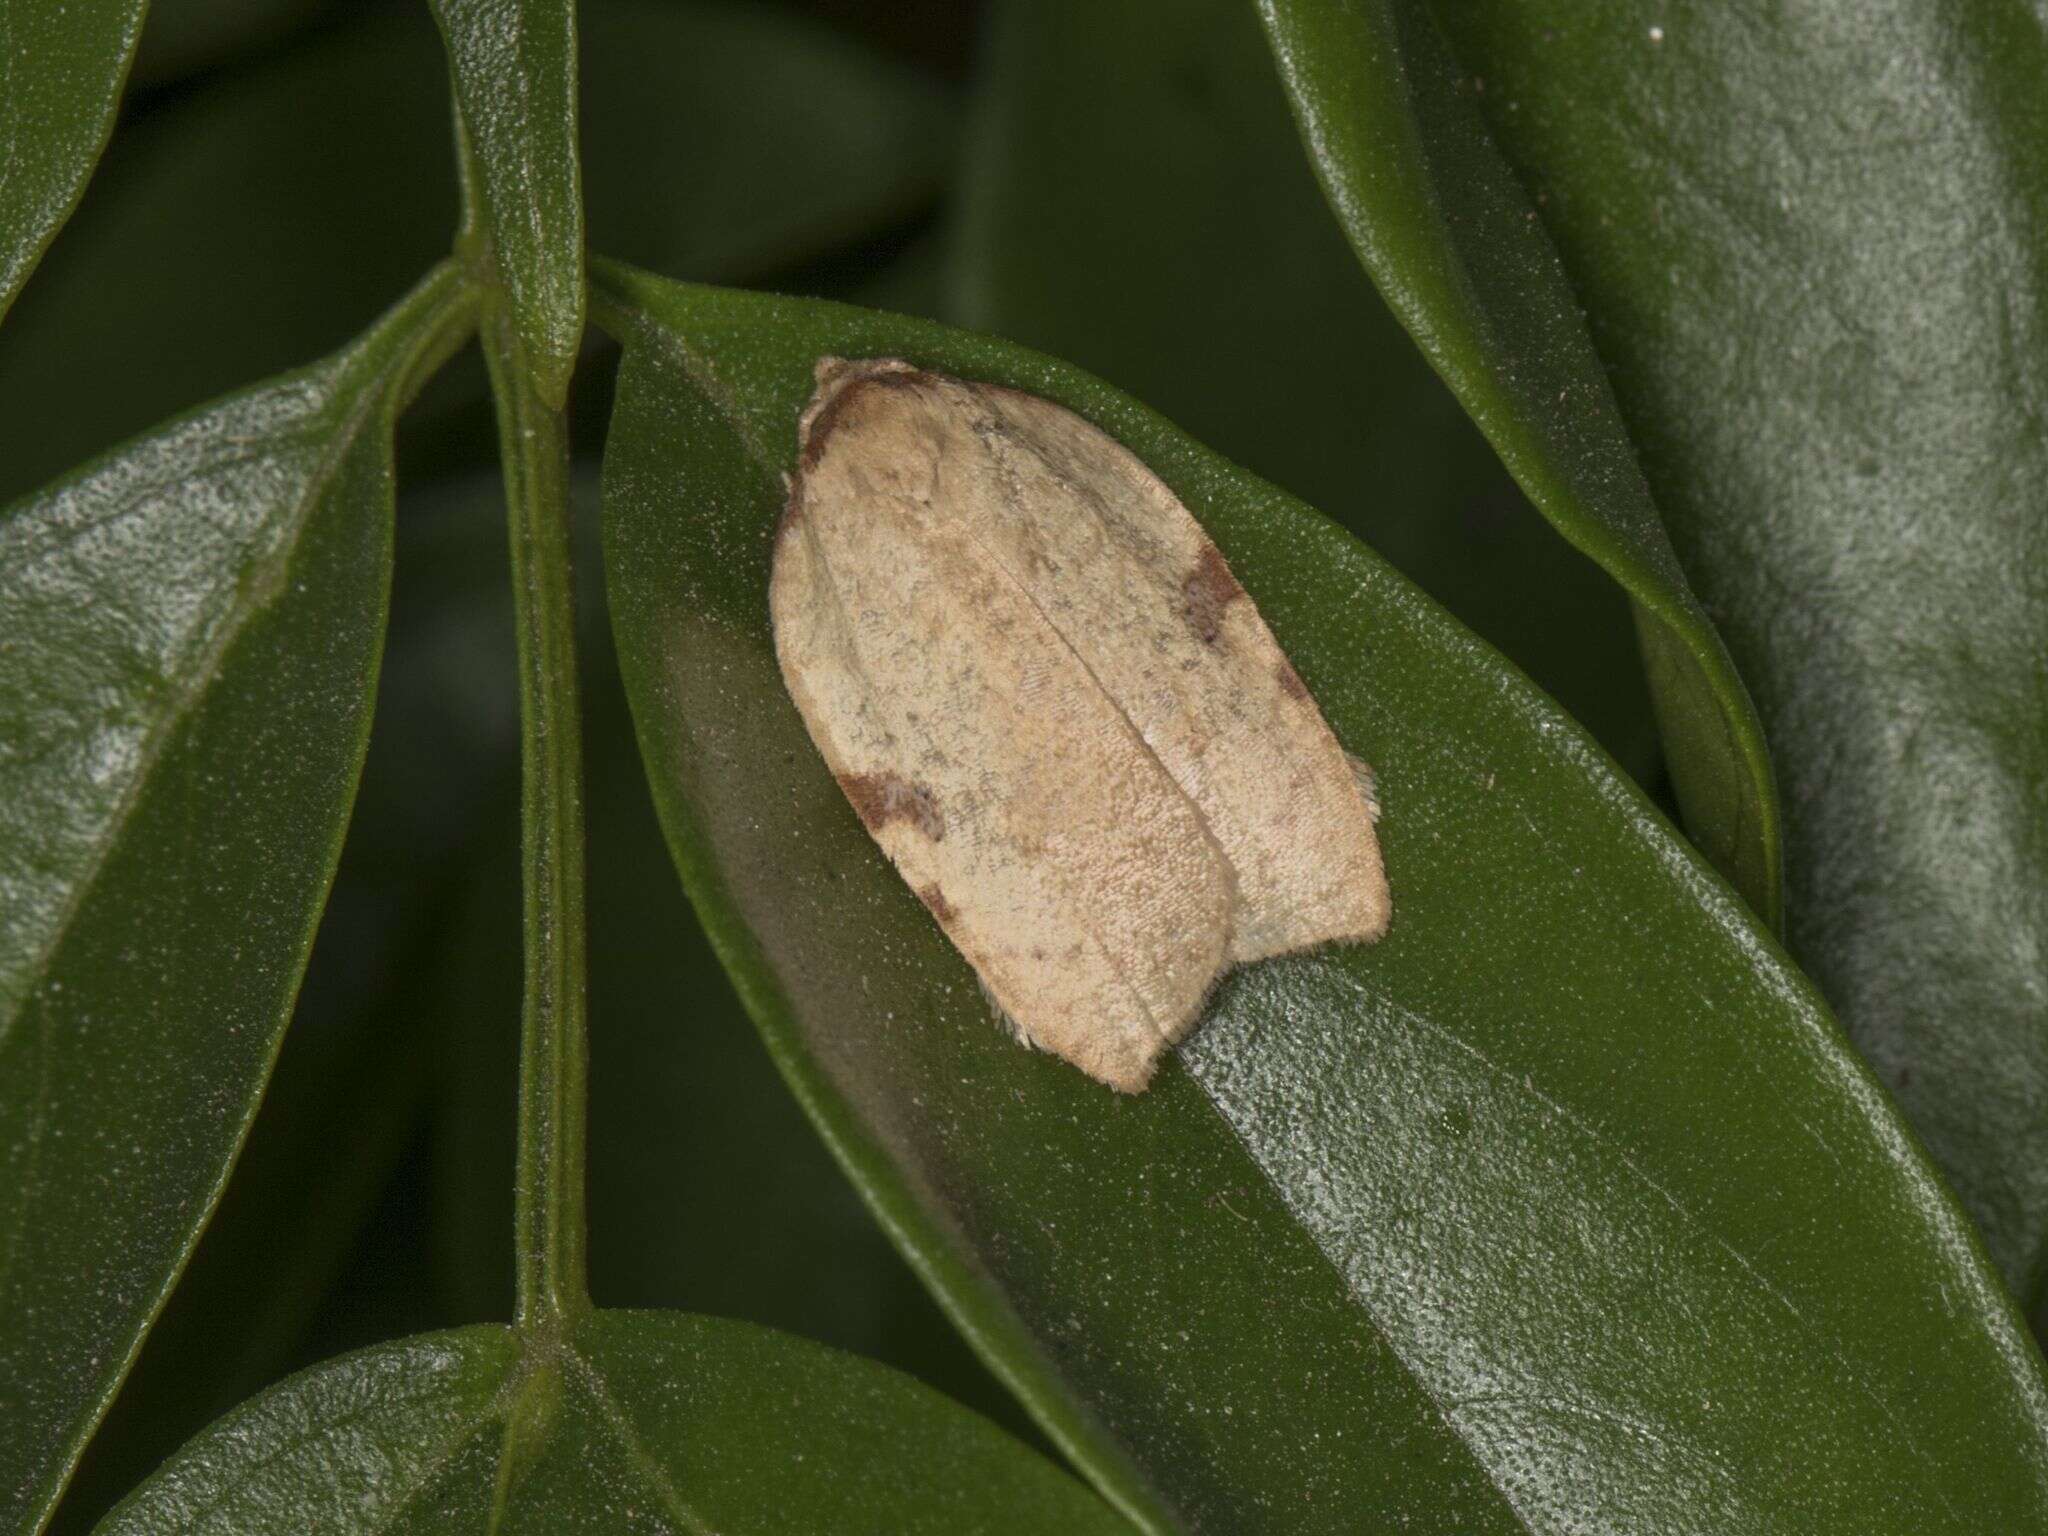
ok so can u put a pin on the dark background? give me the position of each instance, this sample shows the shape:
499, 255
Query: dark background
1127, 196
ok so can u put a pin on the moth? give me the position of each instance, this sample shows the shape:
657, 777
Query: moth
1056, 711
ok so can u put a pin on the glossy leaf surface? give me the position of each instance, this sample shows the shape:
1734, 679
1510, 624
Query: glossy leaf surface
514, 68
643, 1422
61, 68
1813, 244
192, 628
1457, 251
1563, 1207
344, 1103
1133, 165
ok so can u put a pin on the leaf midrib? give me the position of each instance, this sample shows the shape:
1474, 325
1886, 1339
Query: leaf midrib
642, 1461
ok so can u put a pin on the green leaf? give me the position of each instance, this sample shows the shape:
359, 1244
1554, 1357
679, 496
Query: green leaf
1136, 202
1814, 250
61, 69
189, 640
640, 1421
1460, 256
514, 68
1563, 1207
346, 1095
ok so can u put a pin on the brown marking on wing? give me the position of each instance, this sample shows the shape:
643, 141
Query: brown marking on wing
1290, 680
822, 425
1208, 590
935, 898
880, 798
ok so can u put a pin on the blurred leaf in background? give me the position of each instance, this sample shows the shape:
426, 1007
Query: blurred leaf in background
234, 231
266, 214
184, 38
740, 140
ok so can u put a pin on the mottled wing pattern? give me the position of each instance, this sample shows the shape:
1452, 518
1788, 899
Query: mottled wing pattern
1057, 711
1010, 792
1189, 661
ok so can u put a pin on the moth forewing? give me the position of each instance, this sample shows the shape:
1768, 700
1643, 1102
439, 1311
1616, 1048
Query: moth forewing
1148, 602
1057, 712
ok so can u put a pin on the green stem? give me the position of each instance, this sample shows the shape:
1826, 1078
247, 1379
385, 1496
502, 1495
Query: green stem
443, 307
549, 1221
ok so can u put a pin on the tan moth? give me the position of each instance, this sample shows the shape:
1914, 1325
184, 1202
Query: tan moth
1057, 712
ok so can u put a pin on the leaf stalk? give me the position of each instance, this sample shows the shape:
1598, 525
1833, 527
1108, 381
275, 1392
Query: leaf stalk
550, 1221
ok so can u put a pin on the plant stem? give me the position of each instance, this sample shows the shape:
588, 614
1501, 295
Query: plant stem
445, 304
549, 1219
